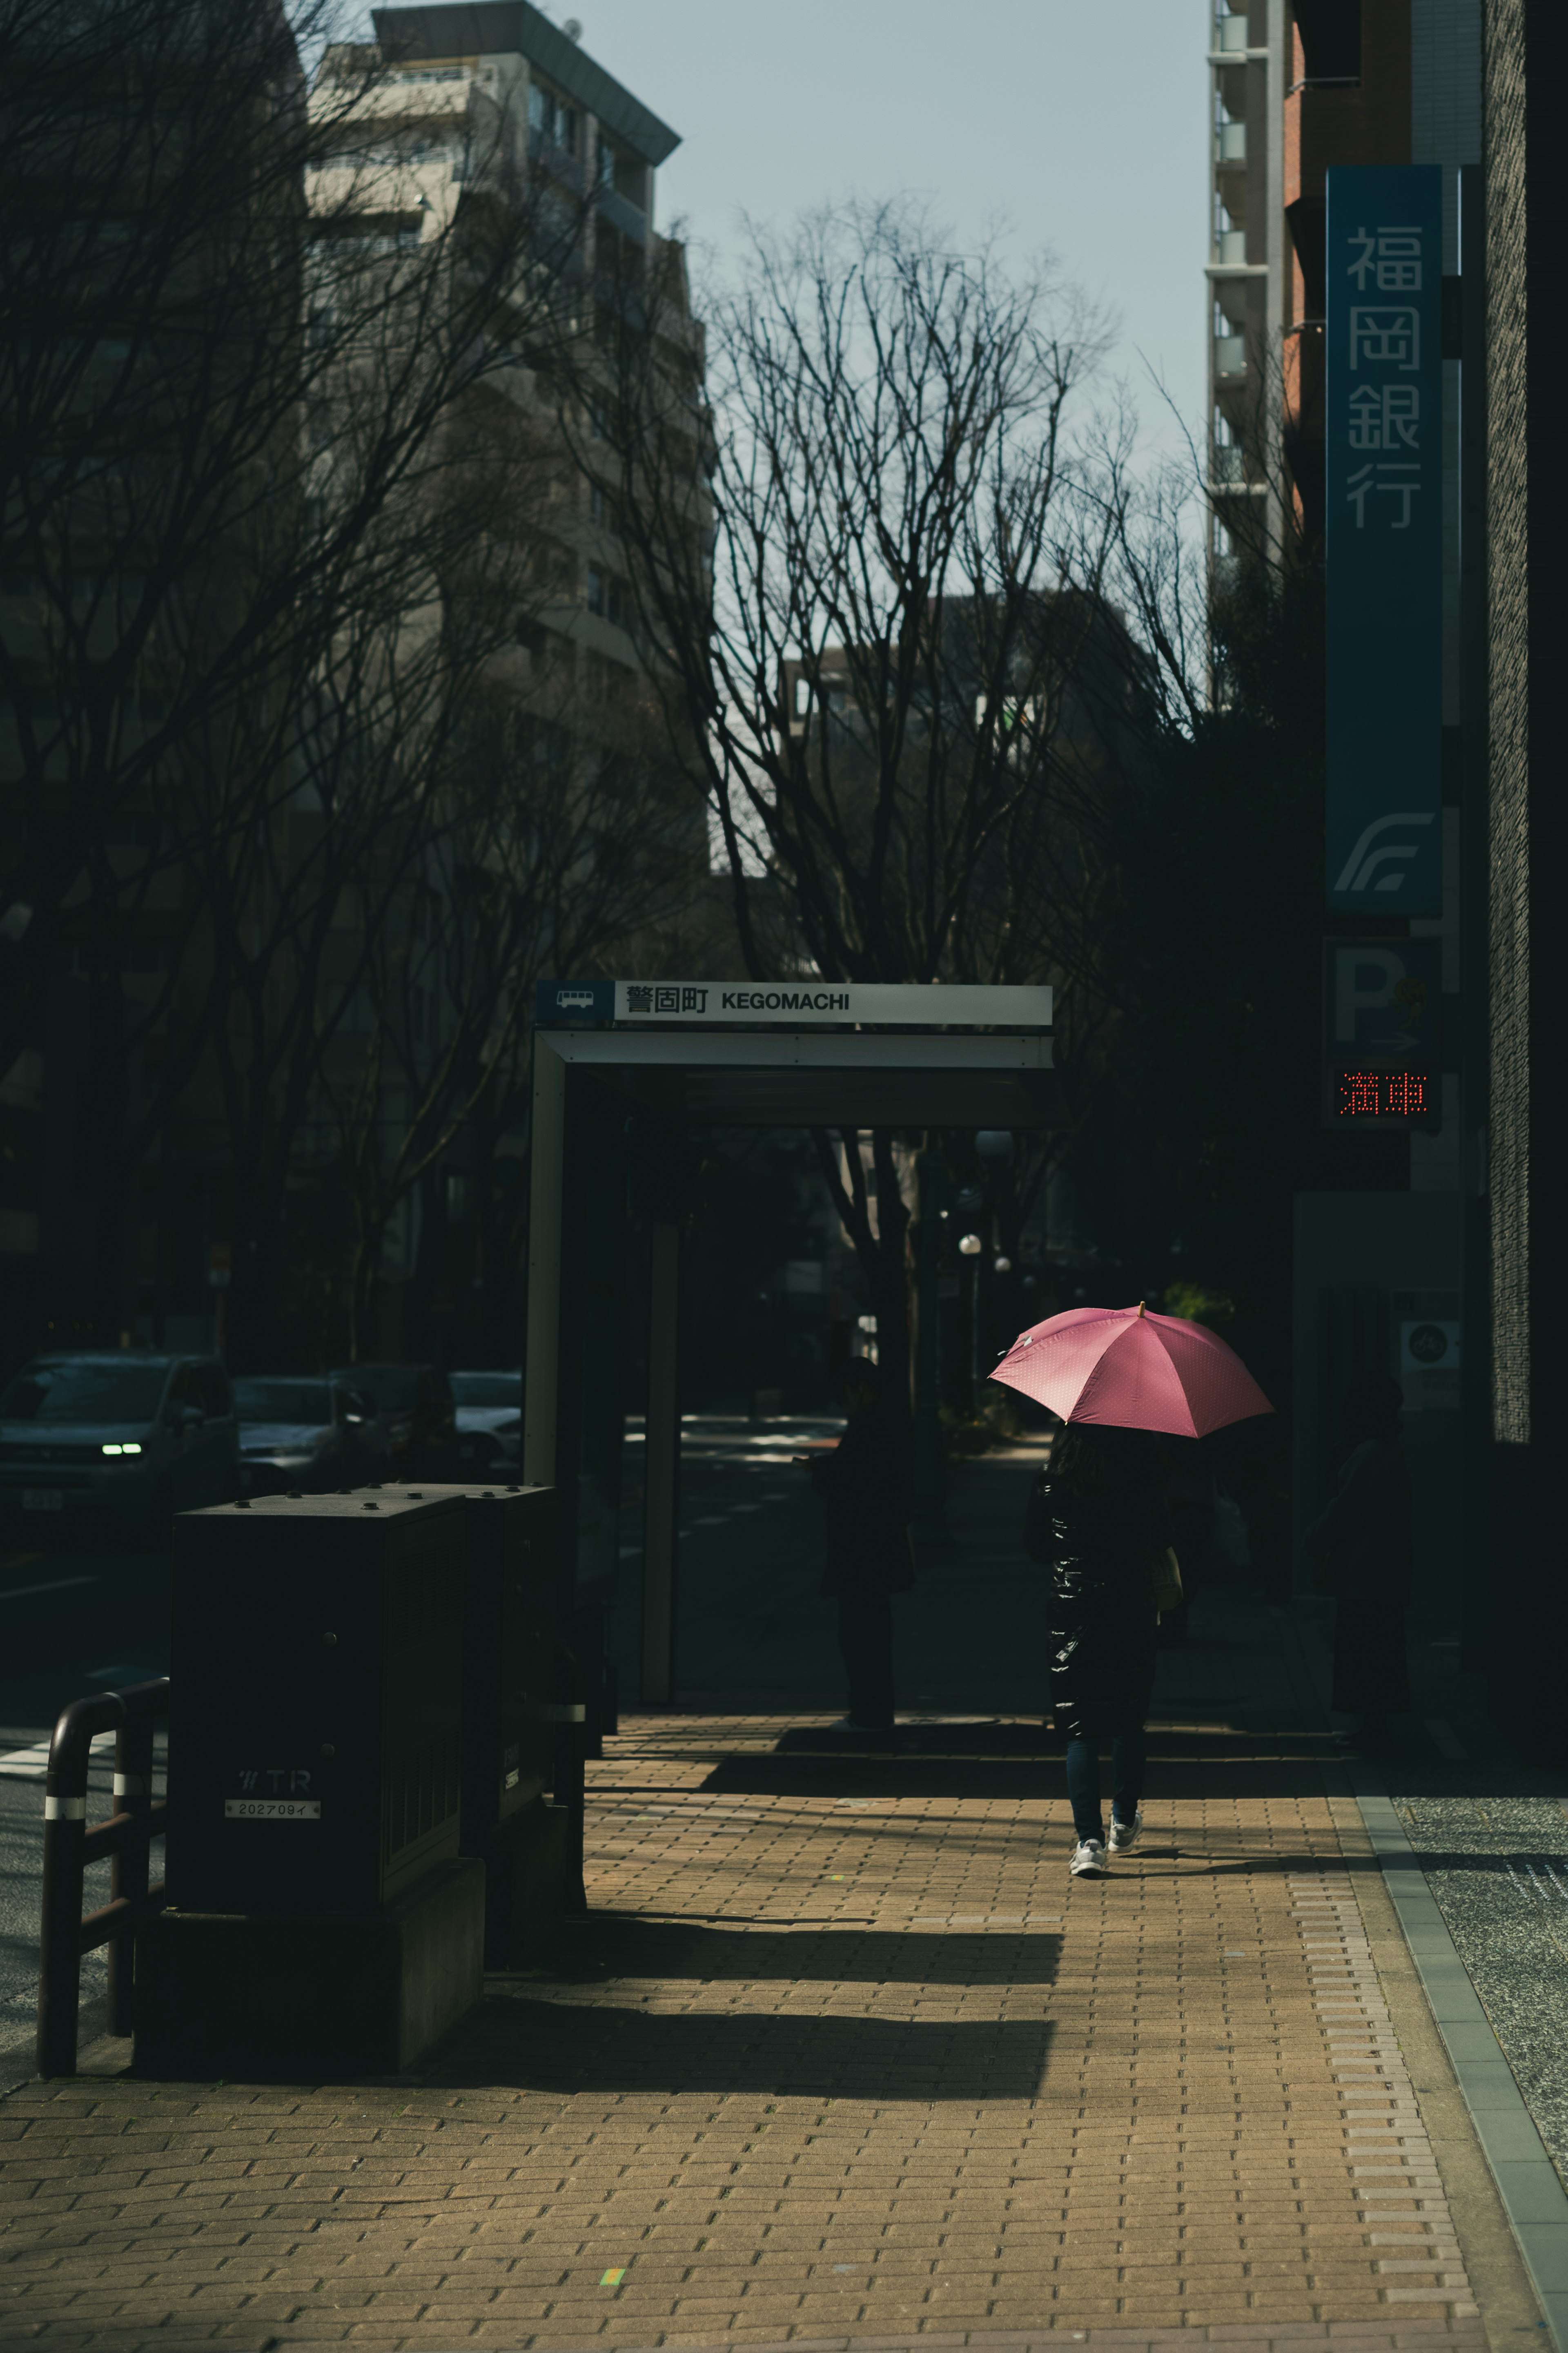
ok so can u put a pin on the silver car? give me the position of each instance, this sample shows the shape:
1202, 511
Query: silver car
305, 1434
135, 1437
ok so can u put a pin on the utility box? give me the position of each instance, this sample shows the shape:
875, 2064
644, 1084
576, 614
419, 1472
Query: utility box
508, 1752
316, 1702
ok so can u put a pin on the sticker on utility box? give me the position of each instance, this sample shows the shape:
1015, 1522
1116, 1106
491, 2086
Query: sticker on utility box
272, 1810
273, 1793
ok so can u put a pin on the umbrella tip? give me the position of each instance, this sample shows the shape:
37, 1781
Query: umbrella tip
1140, 1306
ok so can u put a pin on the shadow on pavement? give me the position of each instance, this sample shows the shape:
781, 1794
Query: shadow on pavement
520, 2041
1184, 1765
614, 1947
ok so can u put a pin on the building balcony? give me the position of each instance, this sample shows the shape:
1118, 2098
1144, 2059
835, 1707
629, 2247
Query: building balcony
618, 210
1230, 249
1227, 467
1231, 142
1230, 36
1230, 355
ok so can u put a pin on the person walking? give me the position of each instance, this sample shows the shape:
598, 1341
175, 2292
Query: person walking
1362, 1544
1097, 1522
866, 1484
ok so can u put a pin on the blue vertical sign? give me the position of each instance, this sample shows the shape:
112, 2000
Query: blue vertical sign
1384, 540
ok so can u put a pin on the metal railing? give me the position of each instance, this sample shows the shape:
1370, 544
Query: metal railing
124, 1841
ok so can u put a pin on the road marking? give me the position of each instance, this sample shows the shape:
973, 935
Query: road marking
56, 1585
32, 1764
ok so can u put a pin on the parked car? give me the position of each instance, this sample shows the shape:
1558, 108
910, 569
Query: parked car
413, 1402
490, 1419
302, 1432
133, 1437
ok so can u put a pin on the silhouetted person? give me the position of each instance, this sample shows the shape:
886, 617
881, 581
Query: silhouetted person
1361, 1545
866, 1484
1097, 1520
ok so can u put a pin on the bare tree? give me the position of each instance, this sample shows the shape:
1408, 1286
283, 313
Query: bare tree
868, 660
562, 836
241, 396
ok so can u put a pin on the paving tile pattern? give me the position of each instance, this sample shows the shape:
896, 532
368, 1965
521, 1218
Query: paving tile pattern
842, 2055
1496, 1862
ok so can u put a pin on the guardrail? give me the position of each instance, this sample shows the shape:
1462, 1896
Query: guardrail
69, 1847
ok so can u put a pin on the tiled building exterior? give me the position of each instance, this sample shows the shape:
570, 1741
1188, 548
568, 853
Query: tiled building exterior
1520, 1406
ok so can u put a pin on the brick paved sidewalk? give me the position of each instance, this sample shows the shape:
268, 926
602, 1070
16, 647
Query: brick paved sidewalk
842, 2055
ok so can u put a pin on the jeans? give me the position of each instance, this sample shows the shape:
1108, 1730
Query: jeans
1128, 1756
865, 1640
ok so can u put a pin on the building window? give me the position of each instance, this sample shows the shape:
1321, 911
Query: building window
550, 119
597, 602
1331, 39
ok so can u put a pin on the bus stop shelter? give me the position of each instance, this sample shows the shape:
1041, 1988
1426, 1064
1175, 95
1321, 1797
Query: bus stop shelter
620, 1059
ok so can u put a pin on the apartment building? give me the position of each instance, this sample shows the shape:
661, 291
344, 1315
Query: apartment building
489, 122
497, 89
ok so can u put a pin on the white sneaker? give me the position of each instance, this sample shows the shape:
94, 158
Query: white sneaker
1087, 1860
1125, 1834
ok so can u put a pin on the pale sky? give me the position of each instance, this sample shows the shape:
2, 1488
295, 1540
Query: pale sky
1082, 123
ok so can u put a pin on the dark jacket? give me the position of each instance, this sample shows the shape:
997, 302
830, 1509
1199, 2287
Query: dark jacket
1363, 1540
1100, 1550
866, 1484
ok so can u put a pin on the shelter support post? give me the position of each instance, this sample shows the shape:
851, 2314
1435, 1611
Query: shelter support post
662, 1470
541, 1378
929, 1469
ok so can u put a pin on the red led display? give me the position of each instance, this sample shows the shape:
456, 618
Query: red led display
1384, 1095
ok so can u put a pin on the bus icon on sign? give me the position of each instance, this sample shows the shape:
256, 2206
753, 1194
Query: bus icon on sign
575, 1000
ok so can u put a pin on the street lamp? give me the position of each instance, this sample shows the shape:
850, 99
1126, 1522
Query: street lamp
970, 1247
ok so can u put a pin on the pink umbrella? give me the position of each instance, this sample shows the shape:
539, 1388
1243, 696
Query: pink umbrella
1137, 1371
